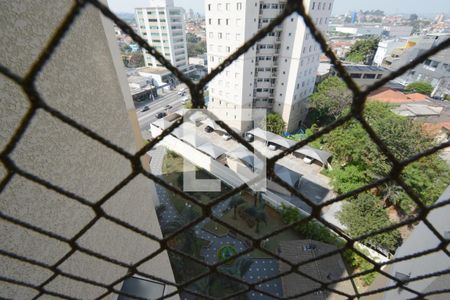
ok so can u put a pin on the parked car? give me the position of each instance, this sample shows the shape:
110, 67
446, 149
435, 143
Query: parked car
272, 147
184, 100
168, 107
145, 108
209, 129
182, 91
160, 115
226, 136
249, 137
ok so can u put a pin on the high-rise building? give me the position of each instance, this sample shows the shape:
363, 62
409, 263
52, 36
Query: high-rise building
162, 25
278, 73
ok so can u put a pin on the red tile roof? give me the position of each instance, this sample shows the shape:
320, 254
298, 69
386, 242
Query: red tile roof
388, 95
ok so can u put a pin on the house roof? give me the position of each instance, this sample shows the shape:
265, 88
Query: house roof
329, 268
388, 95
418, 110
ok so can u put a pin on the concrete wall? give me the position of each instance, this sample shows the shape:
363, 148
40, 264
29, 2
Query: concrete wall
85, 81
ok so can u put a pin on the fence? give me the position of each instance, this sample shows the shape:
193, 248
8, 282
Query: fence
196, 90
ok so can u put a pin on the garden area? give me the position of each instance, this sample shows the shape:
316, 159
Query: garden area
247, 212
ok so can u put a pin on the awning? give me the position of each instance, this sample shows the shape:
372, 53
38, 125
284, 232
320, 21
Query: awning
319, 155
184, 129
162, 123
271, 137
193, 139
248, 157
212, 150
212, 124
287, 175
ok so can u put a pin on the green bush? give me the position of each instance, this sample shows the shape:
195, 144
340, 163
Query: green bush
419, 87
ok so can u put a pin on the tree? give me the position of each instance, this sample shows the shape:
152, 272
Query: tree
234, 203
330, 100
420, 87
258, 213
357, 160
363, 51
310, 229
366, 214
195, 46
273, 123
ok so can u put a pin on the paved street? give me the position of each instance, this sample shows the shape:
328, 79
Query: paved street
158, 105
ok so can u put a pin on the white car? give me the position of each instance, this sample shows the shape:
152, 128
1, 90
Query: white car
182, 91
184, 100
272, 147
226, 136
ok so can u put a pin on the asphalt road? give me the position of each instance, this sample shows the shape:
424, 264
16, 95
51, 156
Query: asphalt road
158, 105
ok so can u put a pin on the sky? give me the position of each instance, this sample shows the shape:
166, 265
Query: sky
340, 6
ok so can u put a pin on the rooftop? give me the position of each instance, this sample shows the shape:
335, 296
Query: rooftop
388, 95
153, 70
326, 269
364, 68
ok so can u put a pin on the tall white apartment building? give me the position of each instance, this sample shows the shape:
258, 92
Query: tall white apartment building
162, 25
278, 73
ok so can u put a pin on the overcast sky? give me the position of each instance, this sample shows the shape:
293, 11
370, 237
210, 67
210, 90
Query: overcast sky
340, 6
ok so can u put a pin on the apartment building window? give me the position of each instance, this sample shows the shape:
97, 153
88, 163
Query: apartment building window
314, 5
227, 6
274, 6
379, 76
227, 36
318, 6
238, 36
228, 49
211, 35
227, 21
209, 21
239, 6
209, 7
153, 20
219, 35
219, 48
218, 21
329, 7
238, 22
356, 75
219, 6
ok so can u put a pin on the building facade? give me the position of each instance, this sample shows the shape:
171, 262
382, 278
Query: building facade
162, 25
69, 159
276, 74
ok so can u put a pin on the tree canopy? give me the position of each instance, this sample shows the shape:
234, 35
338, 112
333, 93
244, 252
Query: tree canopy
195, 46
358, 161
419, 87
273, 123
366, 214
330, 100
363, 51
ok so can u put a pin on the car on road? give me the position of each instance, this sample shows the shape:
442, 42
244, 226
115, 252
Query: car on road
160, 115
209, 129
226, 136
184, 100
182, 91
145, 108
167, 107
